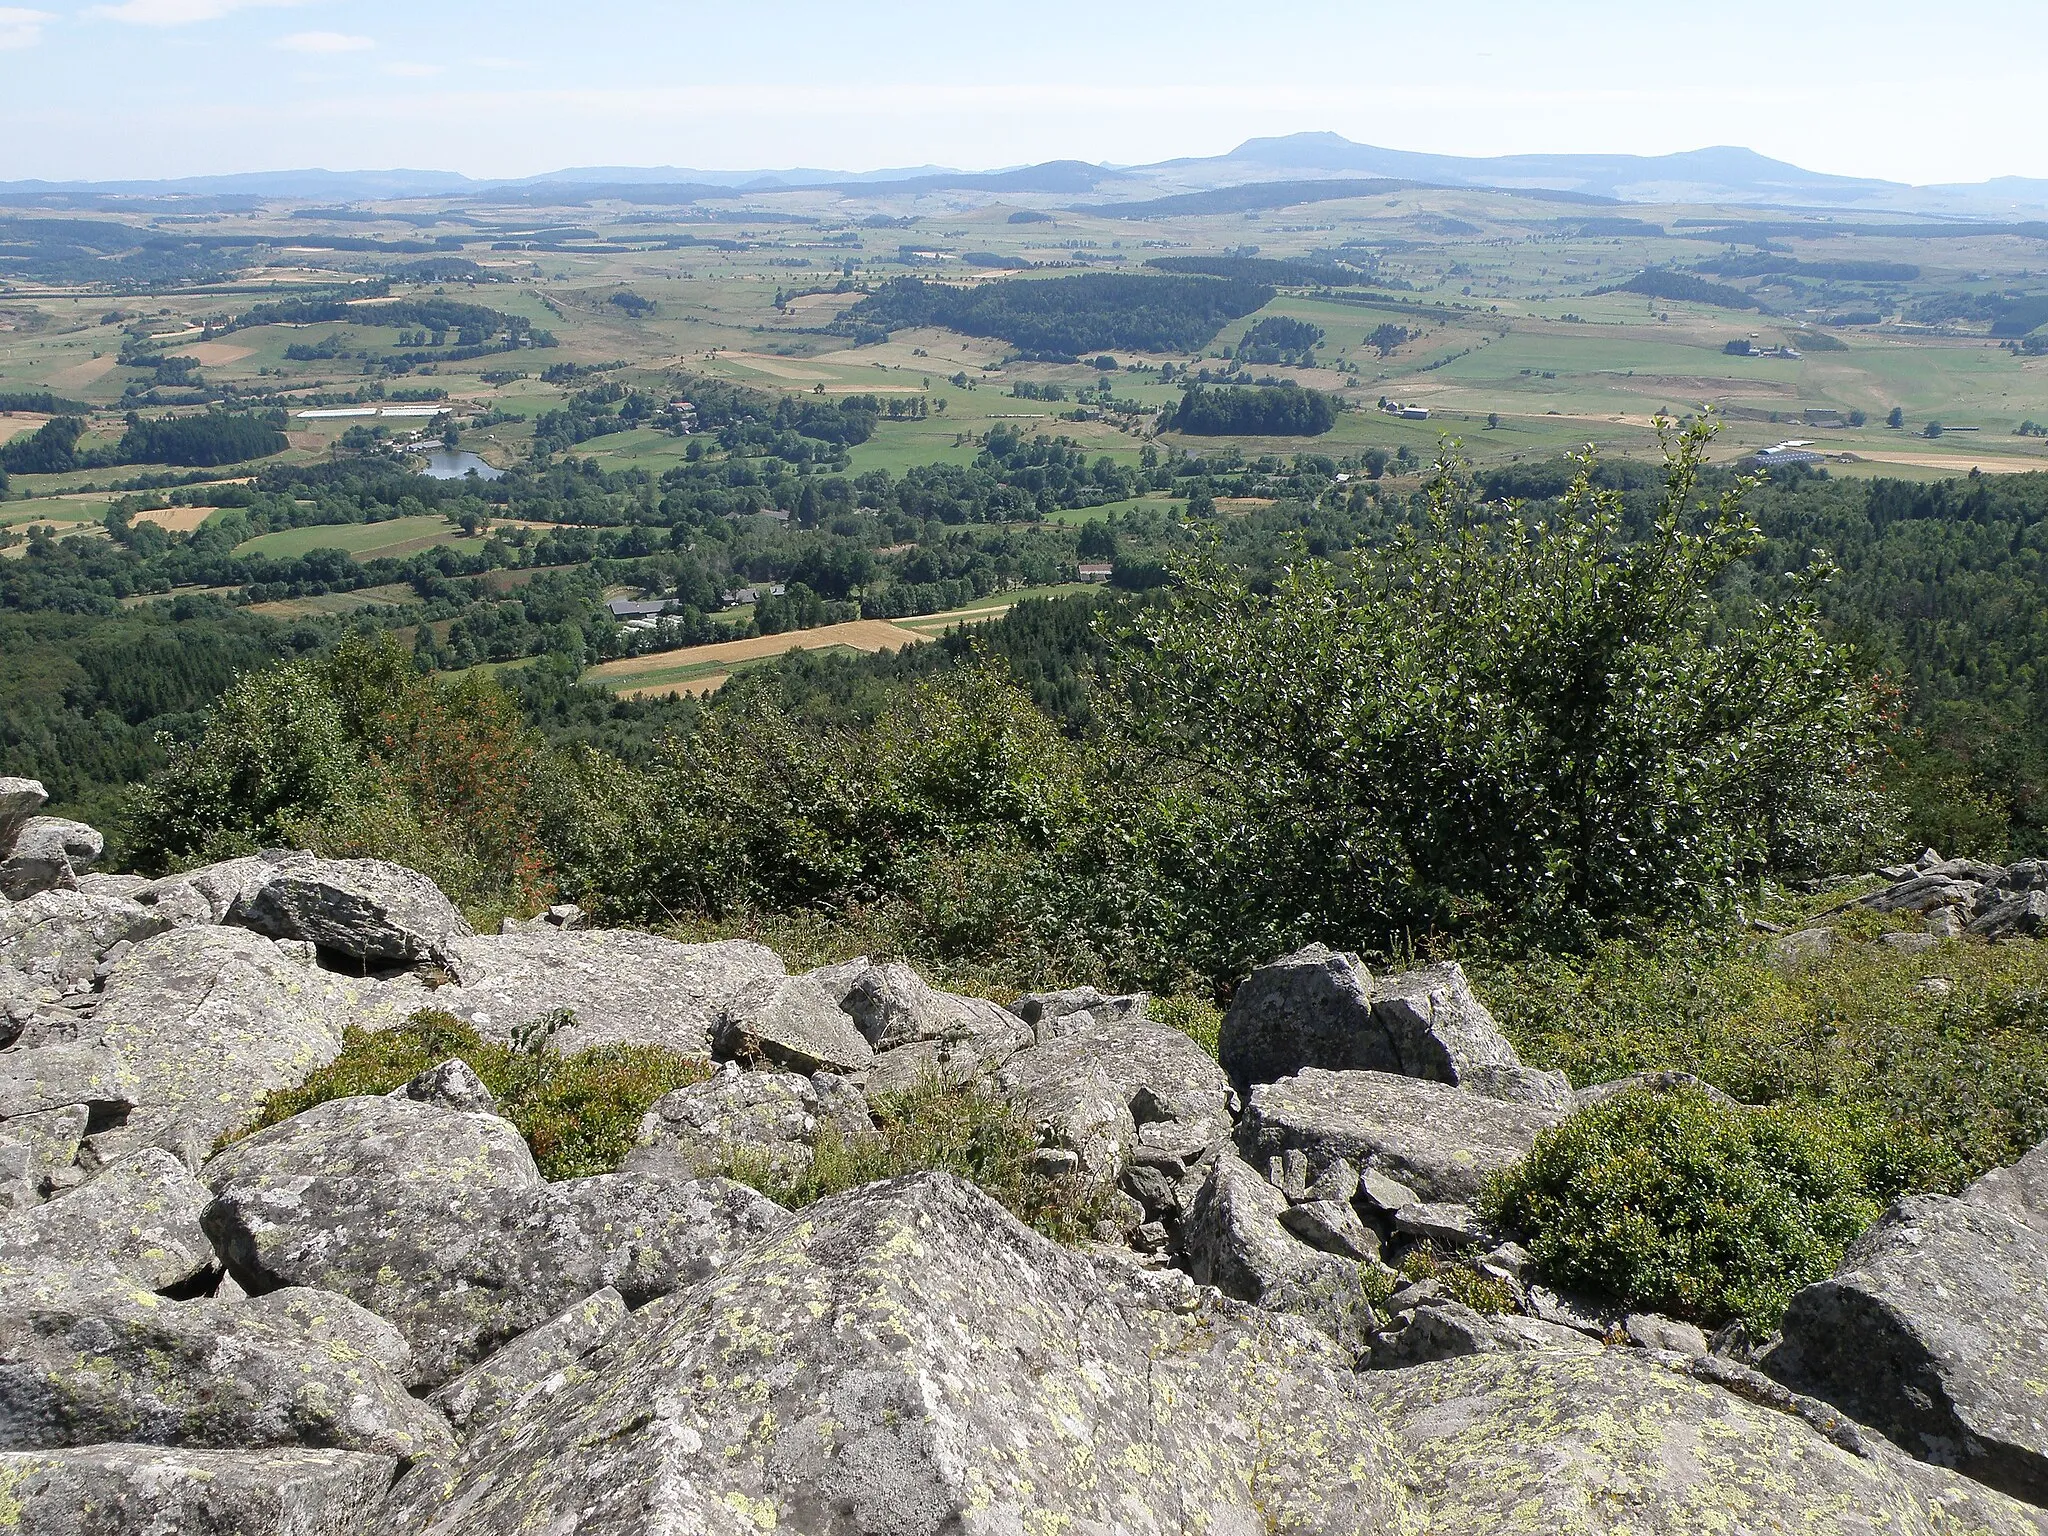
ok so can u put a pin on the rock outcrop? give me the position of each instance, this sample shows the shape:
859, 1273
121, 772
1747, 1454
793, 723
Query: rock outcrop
1935, 1331
910, 1359
437, 1221
1318, 1009
1441, 1142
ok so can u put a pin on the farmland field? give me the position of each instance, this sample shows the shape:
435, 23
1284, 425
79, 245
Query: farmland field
365, 541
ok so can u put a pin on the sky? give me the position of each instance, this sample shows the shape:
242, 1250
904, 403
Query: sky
166, 88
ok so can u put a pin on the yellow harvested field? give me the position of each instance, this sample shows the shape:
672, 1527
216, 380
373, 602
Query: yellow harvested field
218, 354
19, 423
703, 668
696, 687
78, 375
858, 634
176, 519
1962, 464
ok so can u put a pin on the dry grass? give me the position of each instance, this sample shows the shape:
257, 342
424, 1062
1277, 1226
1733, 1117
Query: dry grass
857, 635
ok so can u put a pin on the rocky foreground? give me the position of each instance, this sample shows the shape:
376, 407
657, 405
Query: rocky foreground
378, 1316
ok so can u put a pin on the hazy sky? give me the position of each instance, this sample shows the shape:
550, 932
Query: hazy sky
145, 88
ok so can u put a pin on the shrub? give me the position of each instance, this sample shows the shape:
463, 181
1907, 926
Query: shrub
358, 755
1549, 725
1680, 1203
935, 1125
579, 1113
1961, 1069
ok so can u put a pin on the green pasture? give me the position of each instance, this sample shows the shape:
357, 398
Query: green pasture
365, 541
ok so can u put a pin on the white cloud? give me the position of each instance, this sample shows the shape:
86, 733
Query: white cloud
324, 42
178, 13
20, 28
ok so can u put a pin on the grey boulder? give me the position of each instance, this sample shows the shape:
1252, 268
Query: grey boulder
1437, 1328
452, 1084
57, 938
618, 988
153, 1490
790, 1022
1235, 1239
1113, 1085
1543, 1441
80, 1364
364, 910
19, 800
910, 1359
1934, 1330
1439, 1141
1321, 1009
438, 1221
2024, 914
138, 1219
210, 892
48, 854
2020, 1191
54, 1076
531, 1362
211, 1020
773, 1119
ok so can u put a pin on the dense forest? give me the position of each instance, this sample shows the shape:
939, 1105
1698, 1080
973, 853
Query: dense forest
1058, 319
1285, 411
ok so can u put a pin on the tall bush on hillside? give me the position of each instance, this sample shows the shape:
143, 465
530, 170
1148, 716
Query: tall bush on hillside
1543, 724
761, 810
357, 754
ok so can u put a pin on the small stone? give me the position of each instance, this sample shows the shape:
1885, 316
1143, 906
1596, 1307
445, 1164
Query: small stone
1803, 948
1908, 943
1385, 1194
451, 1085
1946, 923
1338, 1183
1293, 1180
1647, 1330
1332, 1226
1935, 986
1055, 1162
1445, 1223
1507, 1262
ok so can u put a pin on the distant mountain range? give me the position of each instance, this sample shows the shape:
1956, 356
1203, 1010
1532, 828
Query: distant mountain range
1718, 175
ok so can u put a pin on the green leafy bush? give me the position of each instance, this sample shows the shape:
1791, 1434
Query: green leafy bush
1949, 1045
579, 1113
1679, 1203
965, 1131
1551, 725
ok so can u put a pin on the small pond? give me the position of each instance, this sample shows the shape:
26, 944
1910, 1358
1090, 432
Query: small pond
454, 463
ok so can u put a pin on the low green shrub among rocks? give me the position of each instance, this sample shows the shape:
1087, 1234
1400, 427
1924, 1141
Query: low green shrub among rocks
935, 1125
1686, 1204
579, 1112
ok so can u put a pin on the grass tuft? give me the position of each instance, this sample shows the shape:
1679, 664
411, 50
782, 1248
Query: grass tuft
579, 1113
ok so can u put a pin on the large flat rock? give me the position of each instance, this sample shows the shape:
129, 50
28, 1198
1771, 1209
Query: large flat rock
1577, 1444
365, 910
910, 1359
211, 1020
621, 988
82, 1364
1442, 1142
152, 1490
1935, 1330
